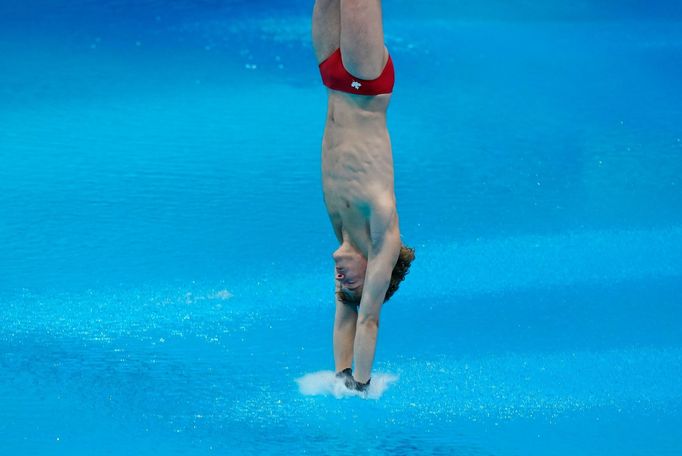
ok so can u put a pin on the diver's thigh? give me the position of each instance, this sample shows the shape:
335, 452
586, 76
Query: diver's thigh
326, 28
362, 38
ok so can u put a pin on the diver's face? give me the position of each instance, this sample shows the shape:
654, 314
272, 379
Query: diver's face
350, 269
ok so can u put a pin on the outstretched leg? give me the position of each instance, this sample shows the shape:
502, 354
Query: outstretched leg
362, 38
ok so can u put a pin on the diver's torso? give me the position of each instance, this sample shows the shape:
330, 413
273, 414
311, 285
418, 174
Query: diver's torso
357, 163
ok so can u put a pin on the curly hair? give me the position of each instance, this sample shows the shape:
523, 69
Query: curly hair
400, 270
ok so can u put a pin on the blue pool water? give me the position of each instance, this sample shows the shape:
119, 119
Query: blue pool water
165, 255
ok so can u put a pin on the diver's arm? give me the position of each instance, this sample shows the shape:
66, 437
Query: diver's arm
345, 320
381, 260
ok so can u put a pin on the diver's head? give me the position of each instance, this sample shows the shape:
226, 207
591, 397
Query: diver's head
351, 266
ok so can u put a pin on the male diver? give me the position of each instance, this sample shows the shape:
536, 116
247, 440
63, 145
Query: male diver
357, 177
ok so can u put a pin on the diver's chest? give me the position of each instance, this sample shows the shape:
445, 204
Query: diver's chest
347, 200
351, 219
347, 192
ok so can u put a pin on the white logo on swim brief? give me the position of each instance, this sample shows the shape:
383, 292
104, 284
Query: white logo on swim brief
356, 85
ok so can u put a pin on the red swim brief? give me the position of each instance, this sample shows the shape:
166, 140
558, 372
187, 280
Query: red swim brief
335, 76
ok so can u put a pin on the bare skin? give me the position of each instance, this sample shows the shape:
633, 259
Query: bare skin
357, 178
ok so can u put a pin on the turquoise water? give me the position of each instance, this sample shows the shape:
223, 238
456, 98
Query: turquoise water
165, 256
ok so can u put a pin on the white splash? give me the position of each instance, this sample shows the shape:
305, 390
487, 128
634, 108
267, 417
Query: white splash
325, 383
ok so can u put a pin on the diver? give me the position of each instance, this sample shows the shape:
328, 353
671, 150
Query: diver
357, 177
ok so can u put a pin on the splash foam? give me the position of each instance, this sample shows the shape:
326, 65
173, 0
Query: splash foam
325, 383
